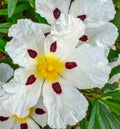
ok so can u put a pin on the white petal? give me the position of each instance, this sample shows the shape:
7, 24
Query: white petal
46, 7
3, 112
26, 35
104, 36
30, 124
26, 29
6, 72
41, 119
19, 97
97, 11
65, 109
114, 78
62, 33
8, 124
92, 67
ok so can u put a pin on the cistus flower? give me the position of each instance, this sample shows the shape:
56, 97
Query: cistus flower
96, 15
36, 118
53, 67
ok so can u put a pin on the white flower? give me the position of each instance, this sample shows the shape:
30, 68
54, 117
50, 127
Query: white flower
115, 77
96, 15
36, 118
53, 67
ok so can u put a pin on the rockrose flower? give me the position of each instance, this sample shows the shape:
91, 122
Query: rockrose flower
54, 68
96, 15
36, 118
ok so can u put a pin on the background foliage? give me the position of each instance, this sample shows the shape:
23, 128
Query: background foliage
104, 109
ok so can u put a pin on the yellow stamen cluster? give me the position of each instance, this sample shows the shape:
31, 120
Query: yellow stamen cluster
49, 67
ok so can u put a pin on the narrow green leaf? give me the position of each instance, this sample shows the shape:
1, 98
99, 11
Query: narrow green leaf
114, 106
84, 124
112, 95
4, 27
18, 9
11, 7
102, 117
94, 118
107, 119
2, 45
115, 71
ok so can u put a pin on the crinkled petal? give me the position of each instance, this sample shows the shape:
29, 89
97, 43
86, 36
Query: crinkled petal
19, 95
46, 8
104, 36
40, 113
97, 11
30, 124
66, 108
6, 72
92, 67
26, 35
26, 29
3, 112
7, 124
62, 34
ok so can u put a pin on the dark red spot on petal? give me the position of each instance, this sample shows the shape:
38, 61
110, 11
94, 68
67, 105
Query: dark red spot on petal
46, 34
82, 17
39, 111
57, 88
53, 47
24, 126
31, 79
56, 13
84, 38
32, 53
70, 65
2, 118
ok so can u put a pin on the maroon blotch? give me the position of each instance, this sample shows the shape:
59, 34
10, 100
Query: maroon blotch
32, 53
82, 17
53, 47
57, 88
70, 65
31, 79
56, 13
2, 118
39, 111
24, 126
84, 38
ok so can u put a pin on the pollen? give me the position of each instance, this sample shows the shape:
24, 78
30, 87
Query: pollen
49, 67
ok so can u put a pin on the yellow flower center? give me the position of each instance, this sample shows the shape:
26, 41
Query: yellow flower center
49, 67
24, 119
21, 120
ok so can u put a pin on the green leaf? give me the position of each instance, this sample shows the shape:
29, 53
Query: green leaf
114, 106
115, 71
84, 124
4, 27
2, 45
11, 7
18, 9
113, 54
94, 122
112, 95
102, 117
